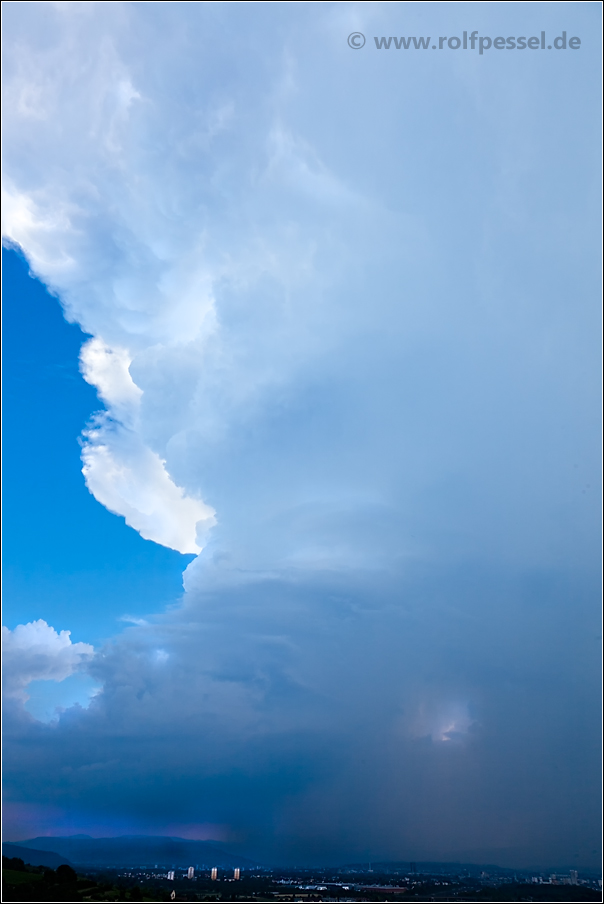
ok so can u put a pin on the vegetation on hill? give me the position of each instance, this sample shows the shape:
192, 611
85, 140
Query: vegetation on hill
24, 882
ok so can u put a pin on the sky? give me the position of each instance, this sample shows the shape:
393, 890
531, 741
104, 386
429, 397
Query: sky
302, 433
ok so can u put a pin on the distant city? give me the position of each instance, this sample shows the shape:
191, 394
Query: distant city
32, 874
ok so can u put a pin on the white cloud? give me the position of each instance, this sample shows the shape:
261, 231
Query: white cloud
138, 238
36, 651
125, 475
107, 369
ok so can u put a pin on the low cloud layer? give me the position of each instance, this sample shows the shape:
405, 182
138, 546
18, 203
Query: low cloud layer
344, 353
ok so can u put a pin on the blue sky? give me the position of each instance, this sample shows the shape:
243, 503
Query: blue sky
331, 372
81, 551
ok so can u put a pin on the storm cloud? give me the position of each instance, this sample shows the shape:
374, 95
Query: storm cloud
347, 353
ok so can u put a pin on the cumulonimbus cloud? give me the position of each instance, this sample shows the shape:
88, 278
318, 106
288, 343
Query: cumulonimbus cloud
300, 322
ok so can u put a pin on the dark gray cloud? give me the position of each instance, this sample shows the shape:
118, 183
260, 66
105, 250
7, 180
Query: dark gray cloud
324, 719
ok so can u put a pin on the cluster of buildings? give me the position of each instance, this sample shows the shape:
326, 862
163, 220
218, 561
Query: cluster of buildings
572, 878
213, 875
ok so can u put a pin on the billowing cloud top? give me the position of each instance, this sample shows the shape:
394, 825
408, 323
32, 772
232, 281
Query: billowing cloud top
122, 472
342, 315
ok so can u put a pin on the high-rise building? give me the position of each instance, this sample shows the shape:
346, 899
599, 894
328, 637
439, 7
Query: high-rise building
191, 872
574, 877
171, 875
237, 873
214, 873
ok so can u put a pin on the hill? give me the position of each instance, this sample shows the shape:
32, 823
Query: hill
34, 856
137, 850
